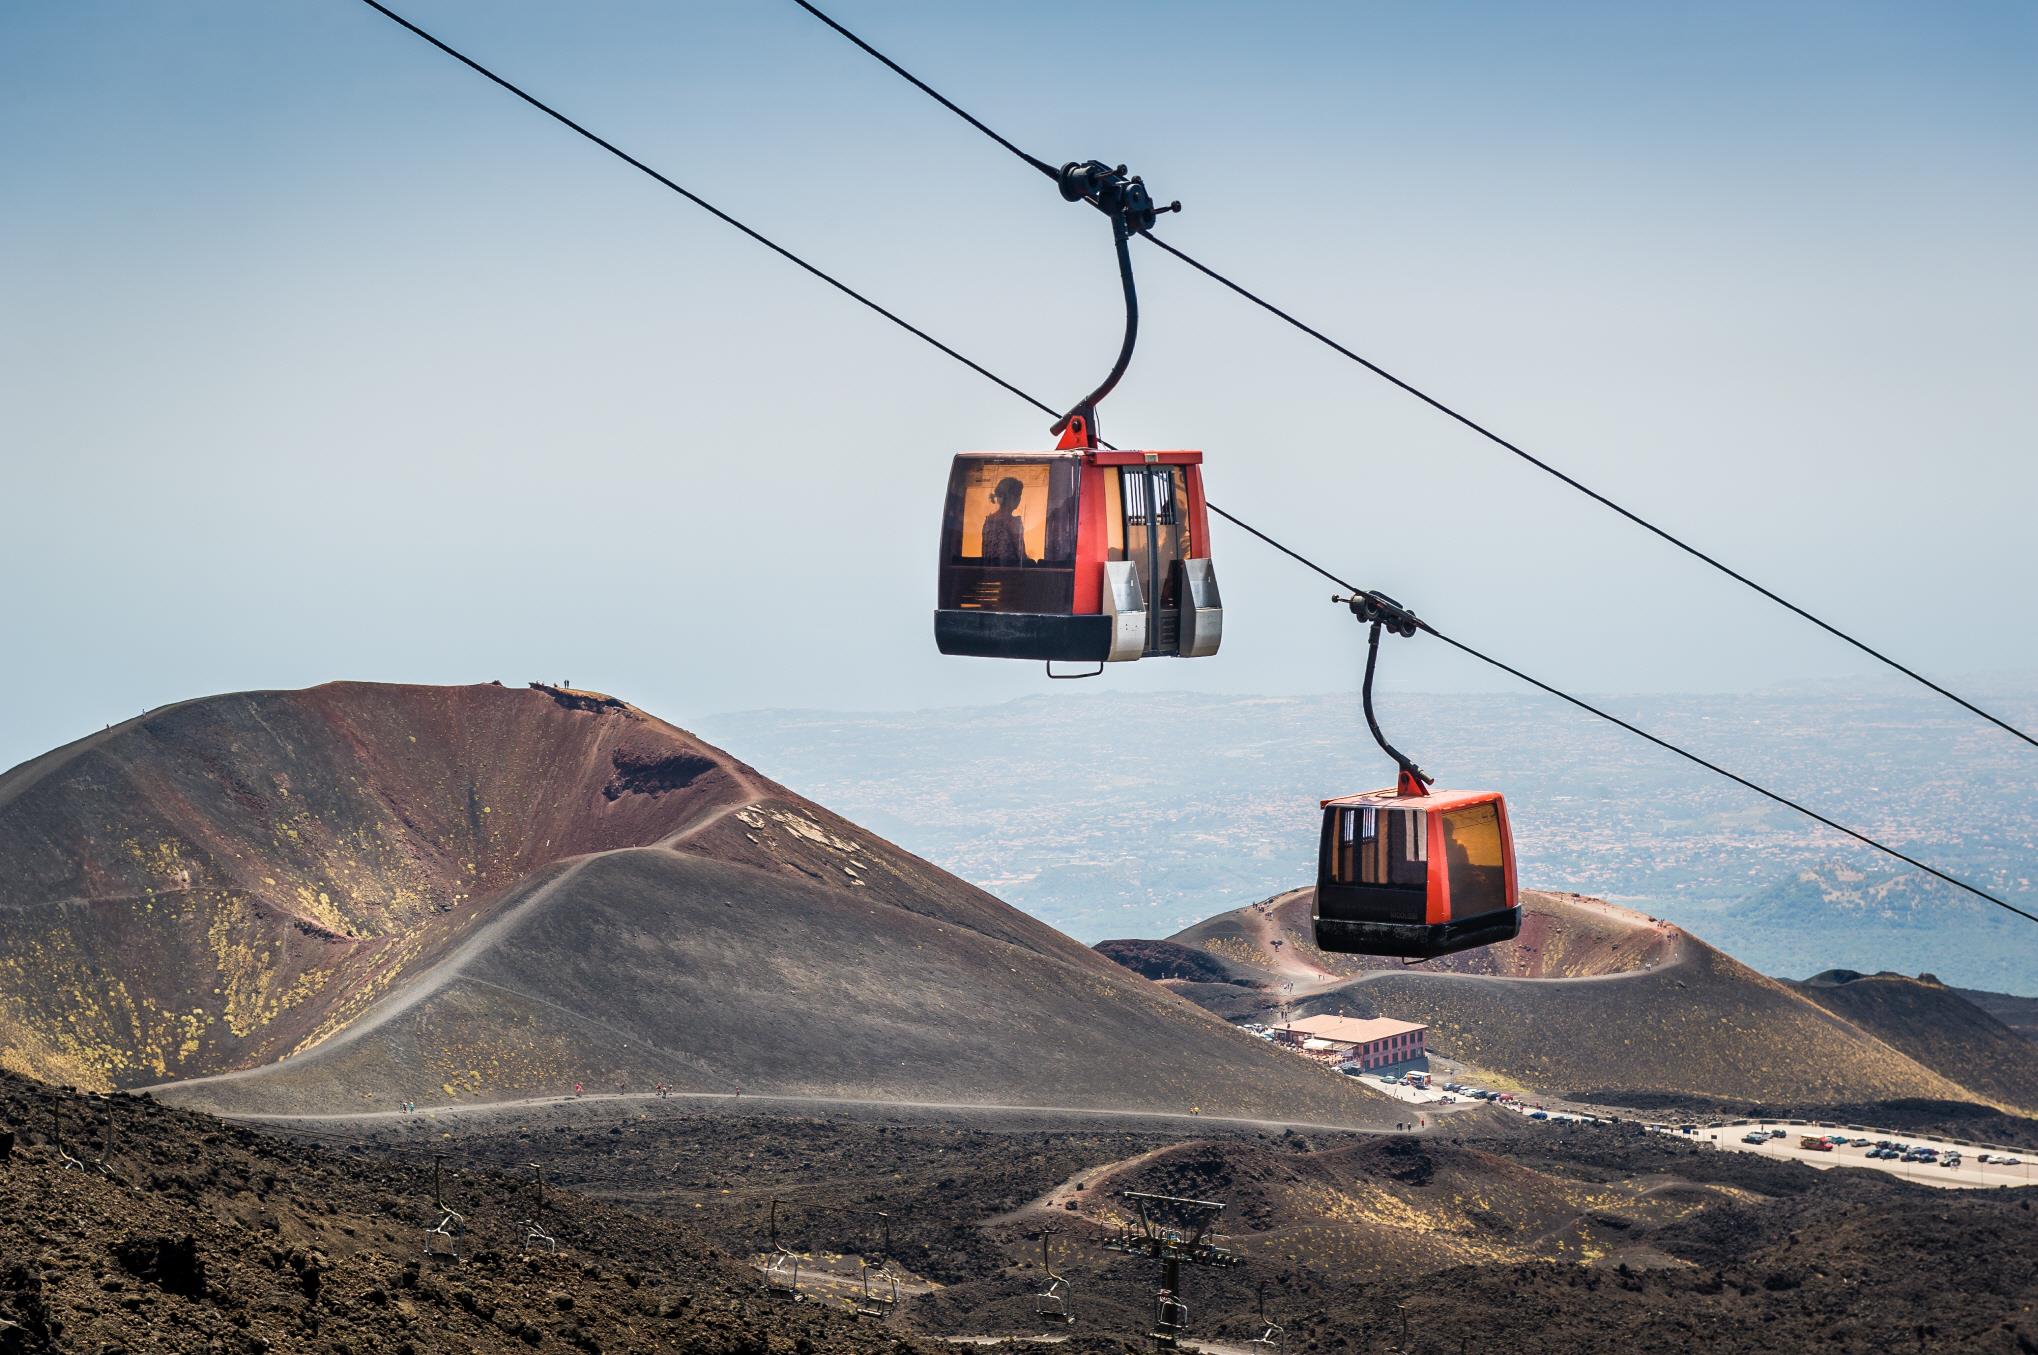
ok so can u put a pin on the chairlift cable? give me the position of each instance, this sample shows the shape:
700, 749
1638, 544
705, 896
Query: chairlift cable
1046, 408
1442, 408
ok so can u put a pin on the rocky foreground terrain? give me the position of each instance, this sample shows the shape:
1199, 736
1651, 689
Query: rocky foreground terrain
1492, 1233
198, 1236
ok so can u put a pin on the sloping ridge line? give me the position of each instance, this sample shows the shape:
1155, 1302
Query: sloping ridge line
1684, 958
536, 894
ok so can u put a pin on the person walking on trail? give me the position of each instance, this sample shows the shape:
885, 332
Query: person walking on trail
576, 1090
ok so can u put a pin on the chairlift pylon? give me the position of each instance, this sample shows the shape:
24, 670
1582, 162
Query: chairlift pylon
1175, 1232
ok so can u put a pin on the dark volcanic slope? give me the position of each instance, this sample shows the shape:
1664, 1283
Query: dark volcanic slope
2018, 1013
482, 893
1936, 1026
1173, 960
1591, 997
208, 1238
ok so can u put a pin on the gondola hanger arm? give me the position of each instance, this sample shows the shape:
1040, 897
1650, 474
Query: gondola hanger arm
1130, 206
1380, 612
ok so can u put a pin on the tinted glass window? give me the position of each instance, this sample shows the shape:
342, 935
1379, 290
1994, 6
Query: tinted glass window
1381, 847
1016, 512
1008, 535
1475, 858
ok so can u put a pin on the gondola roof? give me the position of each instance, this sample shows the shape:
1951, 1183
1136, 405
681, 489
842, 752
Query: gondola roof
1434, 799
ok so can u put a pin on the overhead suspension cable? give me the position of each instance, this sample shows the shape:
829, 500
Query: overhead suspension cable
701, 202
1046, 408
1442, 408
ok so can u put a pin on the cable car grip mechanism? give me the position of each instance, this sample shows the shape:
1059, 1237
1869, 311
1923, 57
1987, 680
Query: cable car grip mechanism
1132, 211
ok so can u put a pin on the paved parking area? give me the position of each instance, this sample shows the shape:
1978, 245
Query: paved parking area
1971, 1174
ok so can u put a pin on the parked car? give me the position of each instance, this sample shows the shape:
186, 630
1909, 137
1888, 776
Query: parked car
1539, 1115
1778, 1134
1755, 1136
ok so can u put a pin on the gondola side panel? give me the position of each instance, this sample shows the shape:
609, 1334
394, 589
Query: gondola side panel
1092, 539
1199, 514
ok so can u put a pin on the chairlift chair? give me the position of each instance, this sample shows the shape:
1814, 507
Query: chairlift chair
451, 1222
880, 1291
1170, 1316
1053, 1303
782, 1276
103, 1164
535, 1236
1272, 1334
782, 1266
64, 1158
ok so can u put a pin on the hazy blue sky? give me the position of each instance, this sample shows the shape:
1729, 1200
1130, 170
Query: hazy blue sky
321, 357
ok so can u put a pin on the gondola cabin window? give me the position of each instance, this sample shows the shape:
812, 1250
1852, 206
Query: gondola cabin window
1009, 535
1474, 857
1388, 847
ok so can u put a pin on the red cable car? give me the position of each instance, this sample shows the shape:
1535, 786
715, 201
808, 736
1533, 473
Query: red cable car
1412, 871
1415, 872
1085, 554
1082, 555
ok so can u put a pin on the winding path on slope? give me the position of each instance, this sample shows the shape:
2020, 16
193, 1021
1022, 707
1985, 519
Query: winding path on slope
430, 1114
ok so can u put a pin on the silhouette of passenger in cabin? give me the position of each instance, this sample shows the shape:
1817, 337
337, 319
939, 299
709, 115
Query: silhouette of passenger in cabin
1004, 529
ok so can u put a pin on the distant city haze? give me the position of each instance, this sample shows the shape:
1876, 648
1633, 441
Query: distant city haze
1133, 816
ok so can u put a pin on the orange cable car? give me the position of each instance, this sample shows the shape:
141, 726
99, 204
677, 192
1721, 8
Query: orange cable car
1085, 554
1412, 872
